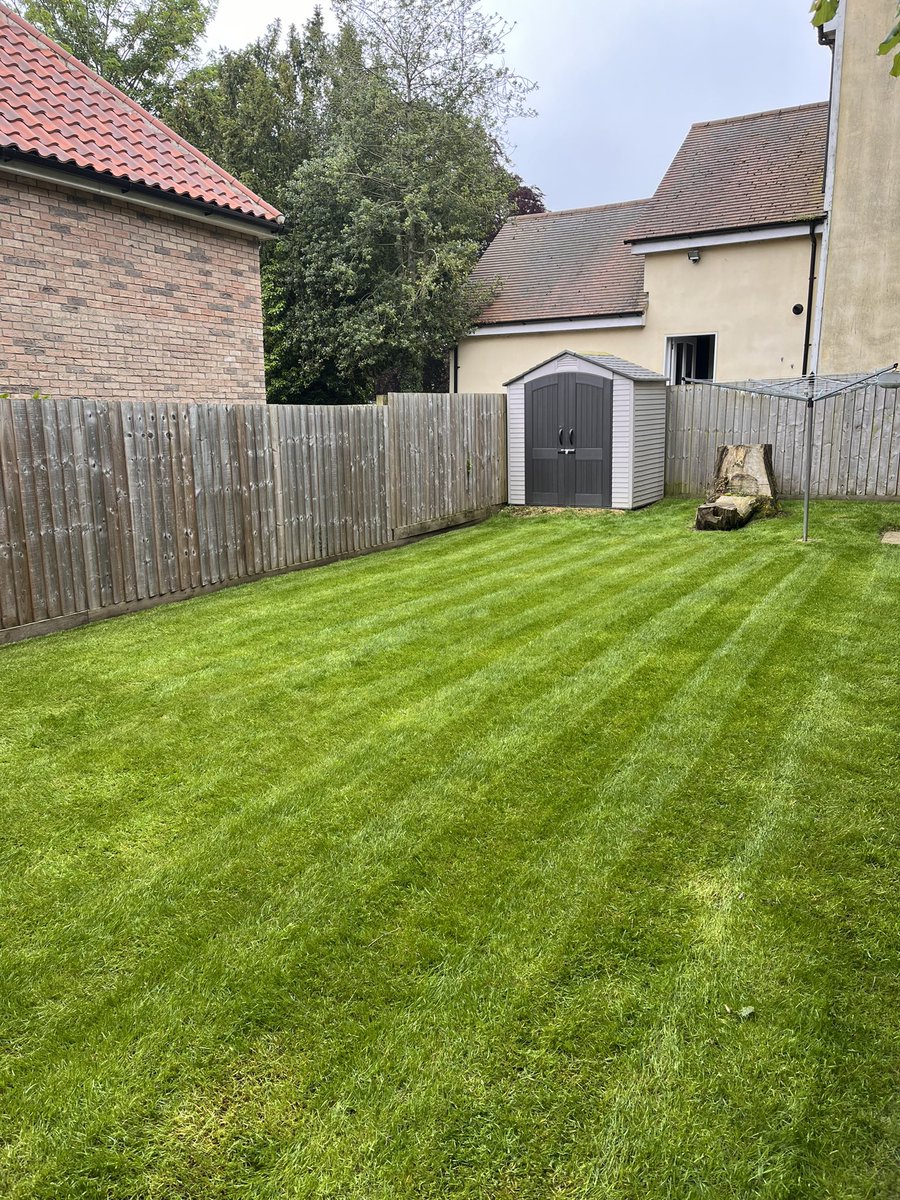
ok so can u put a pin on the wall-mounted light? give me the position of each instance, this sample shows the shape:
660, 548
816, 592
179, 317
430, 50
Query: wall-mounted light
694, 256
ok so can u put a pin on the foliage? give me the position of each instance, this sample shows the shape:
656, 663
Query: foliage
385, 226
526, 200
387, 220
446, 53
382, 144
826, 10
141, 46
259, 112
434, 875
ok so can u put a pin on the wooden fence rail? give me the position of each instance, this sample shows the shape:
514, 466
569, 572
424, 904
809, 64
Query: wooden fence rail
856, 439
107, 507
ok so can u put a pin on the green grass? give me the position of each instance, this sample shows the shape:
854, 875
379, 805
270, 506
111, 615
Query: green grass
434, 874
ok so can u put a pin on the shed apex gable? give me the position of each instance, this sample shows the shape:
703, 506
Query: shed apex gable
57, 110
612, 363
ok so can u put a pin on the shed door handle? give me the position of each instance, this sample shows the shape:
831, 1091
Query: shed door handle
560, 434
571, 437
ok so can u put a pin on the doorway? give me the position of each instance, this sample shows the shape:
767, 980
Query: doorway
690, 357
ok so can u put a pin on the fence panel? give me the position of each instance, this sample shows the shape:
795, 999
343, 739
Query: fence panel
856, 439
110, 507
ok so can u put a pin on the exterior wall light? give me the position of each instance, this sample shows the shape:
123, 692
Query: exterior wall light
694, 256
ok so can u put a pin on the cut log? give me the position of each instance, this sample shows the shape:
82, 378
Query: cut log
728, 512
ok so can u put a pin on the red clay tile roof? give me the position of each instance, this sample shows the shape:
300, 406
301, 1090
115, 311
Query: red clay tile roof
564, 264
741, 173
53, 106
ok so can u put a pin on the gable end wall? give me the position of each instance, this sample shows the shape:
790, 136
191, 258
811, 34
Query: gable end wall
105, 300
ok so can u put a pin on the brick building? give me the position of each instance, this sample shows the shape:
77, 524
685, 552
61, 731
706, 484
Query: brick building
130, 261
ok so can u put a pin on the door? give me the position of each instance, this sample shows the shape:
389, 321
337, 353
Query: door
568, 441
592, 460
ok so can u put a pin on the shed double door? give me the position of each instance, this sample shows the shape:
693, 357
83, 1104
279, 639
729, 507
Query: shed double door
568, 441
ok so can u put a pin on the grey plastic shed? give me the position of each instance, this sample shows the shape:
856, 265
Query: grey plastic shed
586, 431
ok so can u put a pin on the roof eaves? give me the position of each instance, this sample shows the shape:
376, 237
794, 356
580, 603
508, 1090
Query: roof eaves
635, 239
124, 186
579, 316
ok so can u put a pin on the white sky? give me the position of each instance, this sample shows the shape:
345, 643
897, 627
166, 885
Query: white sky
620, 81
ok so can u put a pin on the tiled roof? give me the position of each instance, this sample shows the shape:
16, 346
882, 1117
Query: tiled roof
741, 173
54, 107
621, 366
564, 264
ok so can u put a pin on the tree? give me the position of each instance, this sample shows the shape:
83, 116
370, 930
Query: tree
525, 200
448, 53
141, 46
385, 227
387, 221
260, 112
826, 10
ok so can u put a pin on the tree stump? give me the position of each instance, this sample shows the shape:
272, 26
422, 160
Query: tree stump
744, 486
745, 470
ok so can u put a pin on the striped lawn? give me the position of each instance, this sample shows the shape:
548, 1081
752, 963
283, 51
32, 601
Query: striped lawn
436, 874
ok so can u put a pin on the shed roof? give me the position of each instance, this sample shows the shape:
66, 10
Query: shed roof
618, 366
564, 264
741, 173
56, 109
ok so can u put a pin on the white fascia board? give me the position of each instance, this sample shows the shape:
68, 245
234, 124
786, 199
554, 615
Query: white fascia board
637, 320
725, 239
116, 191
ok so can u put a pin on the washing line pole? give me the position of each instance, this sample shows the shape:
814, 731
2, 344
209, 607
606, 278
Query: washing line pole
807, 455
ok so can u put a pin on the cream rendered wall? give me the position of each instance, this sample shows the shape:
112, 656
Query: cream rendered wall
493, 360
742, 292
861, 304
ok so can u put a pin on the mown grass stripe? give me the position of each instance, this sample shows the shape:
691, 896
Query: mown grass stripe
438, 912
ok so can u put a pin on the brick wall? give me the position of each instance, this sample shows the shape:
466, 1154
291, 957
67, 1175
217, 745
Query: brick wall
103, 299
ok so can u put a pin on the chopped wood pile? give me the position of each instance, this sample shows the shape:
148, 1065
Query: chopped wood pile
744, 487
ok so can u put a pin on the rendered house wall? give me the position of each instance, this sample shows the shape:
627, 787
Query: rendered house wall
743, 293
106, 300
861, 302
502, 357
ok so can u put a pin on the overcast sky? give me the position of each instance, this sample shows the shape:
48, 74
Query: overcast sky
620, 81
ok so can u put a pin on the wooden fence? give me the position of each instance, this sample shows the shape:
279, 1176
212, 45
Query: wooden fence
856, 439
110, 507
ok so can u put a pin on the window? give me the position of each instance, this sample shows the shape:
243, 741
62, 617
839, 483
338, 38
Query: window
690, 357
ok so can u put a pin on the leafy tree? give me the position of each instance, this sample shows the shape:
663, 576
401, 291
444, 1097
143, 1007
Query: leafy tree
826, 10
141, 46
387, 221
525, 200
260, 112
385, 226
448, 53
